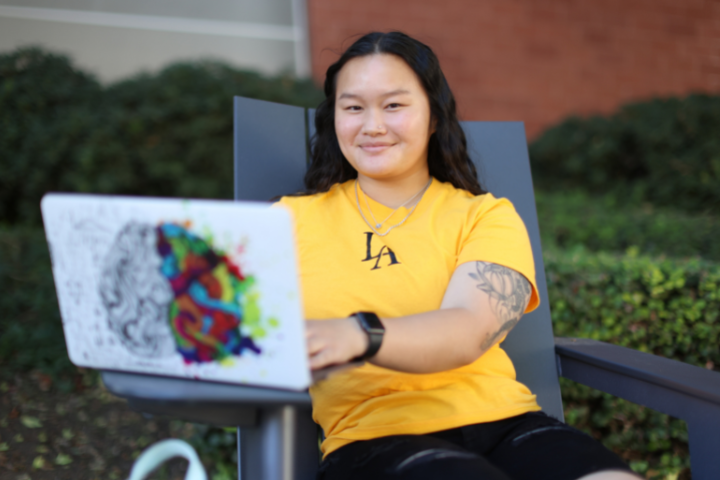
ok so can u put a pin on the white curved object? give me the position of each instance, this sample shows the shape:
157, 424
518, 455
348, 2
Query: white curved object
160, 452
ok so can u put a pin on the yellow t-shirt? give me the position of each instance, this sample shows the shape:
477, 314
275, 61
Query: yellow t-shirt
345, 268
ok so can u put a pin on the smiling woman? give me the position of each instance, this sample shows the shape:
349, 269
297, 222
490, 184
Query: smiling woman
407, 264
405, 64
383, 125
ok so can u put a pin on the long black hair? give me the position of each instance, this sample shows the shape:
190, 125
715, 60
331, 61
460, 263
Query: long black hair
448, 159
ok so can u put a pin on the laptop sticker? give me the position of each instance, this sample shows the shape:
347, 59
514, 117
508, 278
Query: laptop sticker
196, 289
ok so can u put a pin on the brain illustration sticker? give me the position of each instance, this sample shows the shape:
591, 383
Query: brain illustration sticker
166, 289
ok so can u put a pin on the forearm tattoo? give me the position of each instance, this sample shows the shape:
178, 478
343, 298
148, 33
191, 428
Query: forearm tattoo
509, 294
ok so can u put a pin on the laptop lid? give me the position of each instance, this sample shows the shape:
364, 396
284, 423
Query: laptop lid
196, 289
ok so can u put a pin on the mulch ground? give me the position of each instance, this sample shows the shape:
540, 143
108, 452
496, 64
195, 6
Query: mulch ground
90, 434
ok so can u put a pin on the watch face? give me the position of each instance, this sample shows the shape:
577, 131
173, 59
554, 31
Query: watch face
371, 322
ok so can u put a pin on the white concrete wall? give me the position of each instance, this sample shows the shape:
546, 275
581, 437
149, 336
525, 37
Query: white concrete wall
118, 38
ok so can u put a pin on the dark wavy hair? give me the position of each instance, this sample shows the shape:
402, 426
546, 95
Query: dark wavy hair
448, 159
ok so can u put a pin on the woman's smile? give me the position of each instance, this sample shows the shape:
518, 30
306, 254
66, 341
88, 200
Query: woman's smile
376, 147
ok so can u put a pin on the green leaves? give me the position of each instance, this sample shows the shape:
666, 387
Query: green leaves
667, 307
168, 134
30, 321
39, 462
30, 422
650, 299
665, 151
569, 218
63, 459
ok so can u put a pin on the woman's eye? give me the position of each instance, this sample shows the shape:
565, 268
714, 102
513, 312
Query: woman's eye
353, 108
393, 106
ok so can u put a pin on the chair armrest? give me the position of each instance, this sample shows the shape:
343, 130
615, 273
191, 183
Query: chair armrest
677, 389
580, 359
152, 387
204, 402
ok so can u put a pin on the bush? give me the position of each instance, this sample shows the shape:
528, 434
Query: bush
44, 114
29, 316
217, 448
168, 134
663, 151
665, 307
568, 219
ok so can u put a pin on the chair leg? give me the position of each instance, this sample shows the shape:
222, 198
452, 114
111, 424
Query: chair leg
704, 440
239, 455
307, 454
283, 446
267, 451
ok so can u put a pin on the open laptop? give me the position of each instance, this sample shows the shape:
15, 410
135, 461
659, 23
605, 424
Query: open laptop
187, 288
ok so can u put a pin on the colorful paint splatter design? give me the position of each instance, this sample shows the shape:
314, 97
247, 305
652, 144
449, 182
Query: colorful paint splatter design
214, 313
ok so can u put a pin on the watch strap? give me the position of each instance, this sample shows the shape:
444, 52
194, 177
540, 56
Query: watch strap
373, 327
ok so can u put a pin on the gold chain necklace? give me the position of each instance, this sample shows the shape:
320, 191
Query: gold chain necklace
379, 225
357, 200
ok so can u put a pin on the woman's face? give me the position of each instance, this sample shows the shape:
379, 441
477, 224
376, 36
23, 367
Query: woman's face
382, 118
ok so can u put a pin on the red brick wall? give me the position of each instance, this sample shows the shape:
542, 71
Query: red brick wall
541, 60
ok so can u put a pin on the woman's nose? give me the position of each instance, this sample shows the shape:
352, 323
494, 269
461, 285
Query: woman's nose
374, 124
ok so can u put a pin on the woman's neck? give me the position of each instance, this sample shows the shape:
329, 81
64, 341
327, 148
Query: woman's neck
394, 193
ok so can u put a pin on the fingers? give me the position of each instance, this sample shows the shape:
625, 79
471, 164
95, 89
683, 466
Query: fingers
323, 354
314, 345
321, 360
329, 342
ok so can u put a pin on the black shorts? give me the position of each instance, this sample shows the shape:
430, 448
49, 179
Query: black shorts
532, 446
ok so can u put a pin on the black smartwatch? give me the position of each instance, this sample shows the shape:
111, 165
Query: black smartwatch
373, 327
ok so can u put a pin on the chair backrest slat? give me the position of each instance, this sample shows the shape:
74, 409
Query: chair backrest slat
499, 151
270, 159
270, 152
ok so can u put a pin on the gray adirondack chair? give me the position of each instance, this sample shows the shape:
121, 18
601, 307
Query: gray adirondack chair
277, 439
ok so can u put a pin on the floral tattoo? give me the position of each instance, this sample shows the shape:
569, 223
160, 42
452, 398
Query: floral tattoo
509, 293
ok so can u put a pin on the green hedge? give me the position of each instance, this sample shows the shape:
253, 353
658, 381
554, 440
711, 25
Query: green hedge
31, 330
45, 111
665, 307
167, 134
604, 223
663, 151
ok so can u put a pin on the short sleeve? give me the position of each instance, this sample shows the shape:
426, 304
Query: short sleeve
495, 233
294, 205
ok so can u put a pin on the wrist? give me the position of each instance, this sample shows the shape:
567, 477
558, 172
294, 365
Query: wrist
360, 340
374, 332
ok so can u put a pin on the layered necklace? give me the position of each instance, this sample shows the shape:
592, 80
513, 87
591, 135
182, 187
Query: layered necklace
378, 225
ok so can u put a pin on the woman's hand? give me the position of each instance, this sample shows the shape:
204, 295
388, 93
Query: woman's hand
334, 342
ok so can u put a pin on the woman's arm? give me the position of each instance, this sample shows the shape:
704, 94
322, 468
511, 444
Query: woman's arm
482, 303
